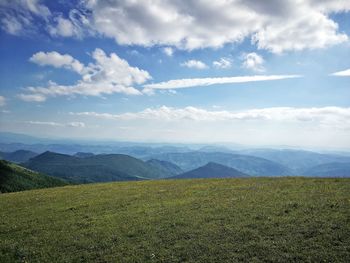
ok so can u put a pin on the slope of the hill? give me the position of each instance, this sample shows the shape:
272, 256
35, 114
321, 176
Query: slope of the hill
167, 167
251, 165
211, 170
201, 220
97, 168
16, 178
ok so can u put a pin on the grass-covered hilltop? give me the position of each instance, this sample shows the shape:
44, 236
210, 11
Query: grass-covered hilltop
204, 220
15, 178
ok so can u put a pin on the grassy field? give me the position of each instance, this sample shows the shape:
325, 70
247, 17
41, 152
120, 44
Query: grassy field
209, 220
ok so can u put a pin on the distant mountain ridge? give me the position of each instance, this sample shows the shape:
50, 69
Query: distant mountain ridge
329, 170
211, 170
251, 165
97, 168
19, 156
297, 160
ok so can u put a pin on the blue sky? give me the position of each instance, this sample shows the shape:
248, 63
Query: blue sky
271, 73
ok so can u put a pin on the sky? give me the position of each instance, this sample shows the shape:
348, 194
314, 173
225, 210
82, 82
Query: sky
193, 71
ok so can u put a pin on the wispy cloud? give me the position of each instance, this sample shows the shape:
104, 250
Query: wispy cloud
222, 63
200, 82
2, 101
57, 124
168, 51
253, 61
344, 73
197, 64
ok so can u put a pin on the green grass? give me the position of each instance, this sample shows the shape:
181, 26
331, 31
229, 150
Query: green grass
209, 220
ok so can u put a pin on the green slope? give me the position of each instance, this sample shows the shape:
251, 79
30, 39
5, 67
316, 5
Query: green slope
97, 168
16, 178
203, 220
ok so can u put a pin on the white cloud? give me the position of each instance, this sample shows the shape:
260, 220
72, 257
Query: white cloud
57, 60
32, 97
168, 51
197, 64
329, 117
200, 82
57, 124
274, 25
222, 63
75, 25
108, 75
76, 124
64, 27
2, 101
18, 15
253, 61
343, 73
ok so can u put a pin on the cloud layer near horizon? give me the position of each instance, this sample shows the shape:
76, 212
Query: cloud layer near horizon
332, 117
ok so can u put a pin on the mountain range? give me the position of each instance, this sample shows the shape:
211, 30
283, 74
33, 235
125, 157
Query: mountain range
251, 165
96, 168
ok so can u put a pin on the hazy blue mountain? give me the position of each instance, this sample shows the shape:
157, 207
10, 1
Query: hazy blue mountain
167, 167
211, 170
214, 148
98, 168
19, 156
83, 154
329, 170
73, 148
247, 164
297, 160
16, 178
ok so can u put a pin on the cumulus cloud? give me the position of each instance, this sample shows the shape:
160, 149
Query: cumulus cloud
200, 82
253, 61
57, 124
336, 117
108, 75
222, 63
274, 25
57, 60
2, 101
343, 73
197, 64
168, 51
